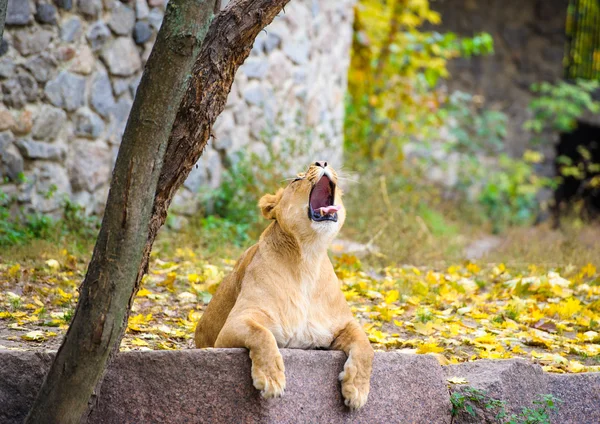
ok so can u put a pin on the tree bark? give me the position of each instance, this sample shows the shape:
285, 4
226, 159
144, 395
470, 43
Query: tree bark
97, 327
148, 171
3, 7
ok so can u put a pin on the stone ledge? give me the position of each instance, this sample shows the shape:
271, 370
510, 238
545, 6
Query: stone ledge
195, 386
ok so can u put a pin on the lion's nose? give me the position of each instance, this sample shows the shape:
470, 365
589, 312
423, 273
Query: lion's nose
321, 163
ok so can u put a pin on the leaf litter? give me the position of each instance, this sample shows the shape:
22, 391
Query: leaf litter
465, 312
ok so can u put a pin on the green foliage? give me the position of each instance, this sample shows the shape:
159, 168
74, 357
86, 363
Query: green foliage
500, 189
509, 193
473, 129
18, 227
233, 205
395, 71
557, 107
469, 397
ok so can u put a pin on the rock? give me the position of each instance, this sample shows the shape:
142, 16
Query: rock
255, 67
64, 4
157, 3
70, 30
142, 32
67, 91
31, 40
155, 18
197, 178
120, 85
87, 123
23, 123
3, 46
65, 53
98, 33
11, 162
122, 57
48, 122
28, 84
13, 95
85, 200
84, 61
254, 94
89, 8
280, 70
217, 386
135, 82
46, 14
118, 119
141, 9
51, 186
297, 50
39, 150
6, 118
6, 139
580, 396
18, 12
101, 96
516, 381
272, 41
7, 67
89, 165
41, 66
122, 19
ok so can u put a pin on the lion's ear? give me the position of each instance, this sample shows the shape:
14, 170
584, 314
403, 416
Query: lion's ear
268, 202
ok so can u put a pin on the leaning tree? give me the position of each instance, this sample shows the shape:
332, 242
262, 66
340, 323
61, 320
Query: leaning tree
183, 89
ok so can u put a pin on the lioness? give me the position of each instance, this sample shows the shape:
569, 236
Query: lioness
283, 291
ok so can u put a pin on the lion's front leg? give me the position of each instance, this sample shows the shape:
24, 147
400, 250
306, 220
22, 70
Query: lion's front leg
356, 376
268, 372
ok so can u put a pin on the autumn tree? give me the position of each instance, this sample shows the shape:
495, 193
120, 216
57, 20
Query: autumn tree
167, 130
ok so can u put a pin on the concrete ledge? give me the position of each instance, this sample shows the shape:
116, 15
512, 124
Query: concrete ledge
197, 386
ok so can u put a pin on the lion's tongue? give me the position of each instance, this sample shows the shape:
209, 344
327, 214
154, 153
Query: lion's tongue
326, 210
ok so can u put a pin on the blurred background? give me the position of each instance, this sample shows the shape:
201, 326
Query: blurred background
462, 130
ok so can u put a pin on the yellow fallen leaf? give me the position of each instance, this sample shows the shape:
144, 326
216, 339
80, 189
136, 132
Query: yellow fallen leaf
52, 264
392, 296
143, 292
34, 336
139, 342
457, 380
14, 271
430, 347
424, 329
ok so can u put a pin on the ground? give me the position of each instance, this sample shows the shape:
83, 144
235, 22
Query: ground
549, 314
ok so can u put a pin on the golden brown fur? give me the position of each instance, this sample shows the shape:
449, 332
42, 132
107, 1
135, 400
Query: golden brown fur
283, 292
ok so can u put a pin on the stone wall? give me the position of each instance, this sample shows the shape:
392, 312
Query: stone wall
214, 385
69, 70
529, 42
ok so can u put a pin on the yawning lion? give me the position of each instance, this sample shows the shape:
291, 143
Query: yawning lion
283, 291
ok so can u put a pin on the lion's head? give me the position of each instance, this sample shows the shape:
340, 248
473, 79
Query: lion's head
310, 206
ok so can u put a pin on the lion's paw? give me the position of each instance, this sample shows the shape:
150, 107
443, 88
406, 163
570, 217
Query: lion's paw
269, 377
355, 387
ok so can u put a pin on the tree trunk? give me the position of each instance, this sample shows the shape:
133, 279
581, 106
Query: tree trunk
155, 157
3, 7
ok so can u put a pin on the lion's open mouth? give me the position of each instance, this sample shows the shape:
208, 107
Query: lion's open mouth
321, 199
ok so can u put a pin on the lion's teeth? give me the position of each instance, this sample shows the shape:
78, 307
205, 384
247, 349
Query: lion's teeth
321, 212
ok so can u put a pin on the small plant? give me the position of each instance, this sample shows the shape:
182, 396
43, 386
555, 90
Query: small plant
233, 205
557, 107
18, 227
469, 398
68, 315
